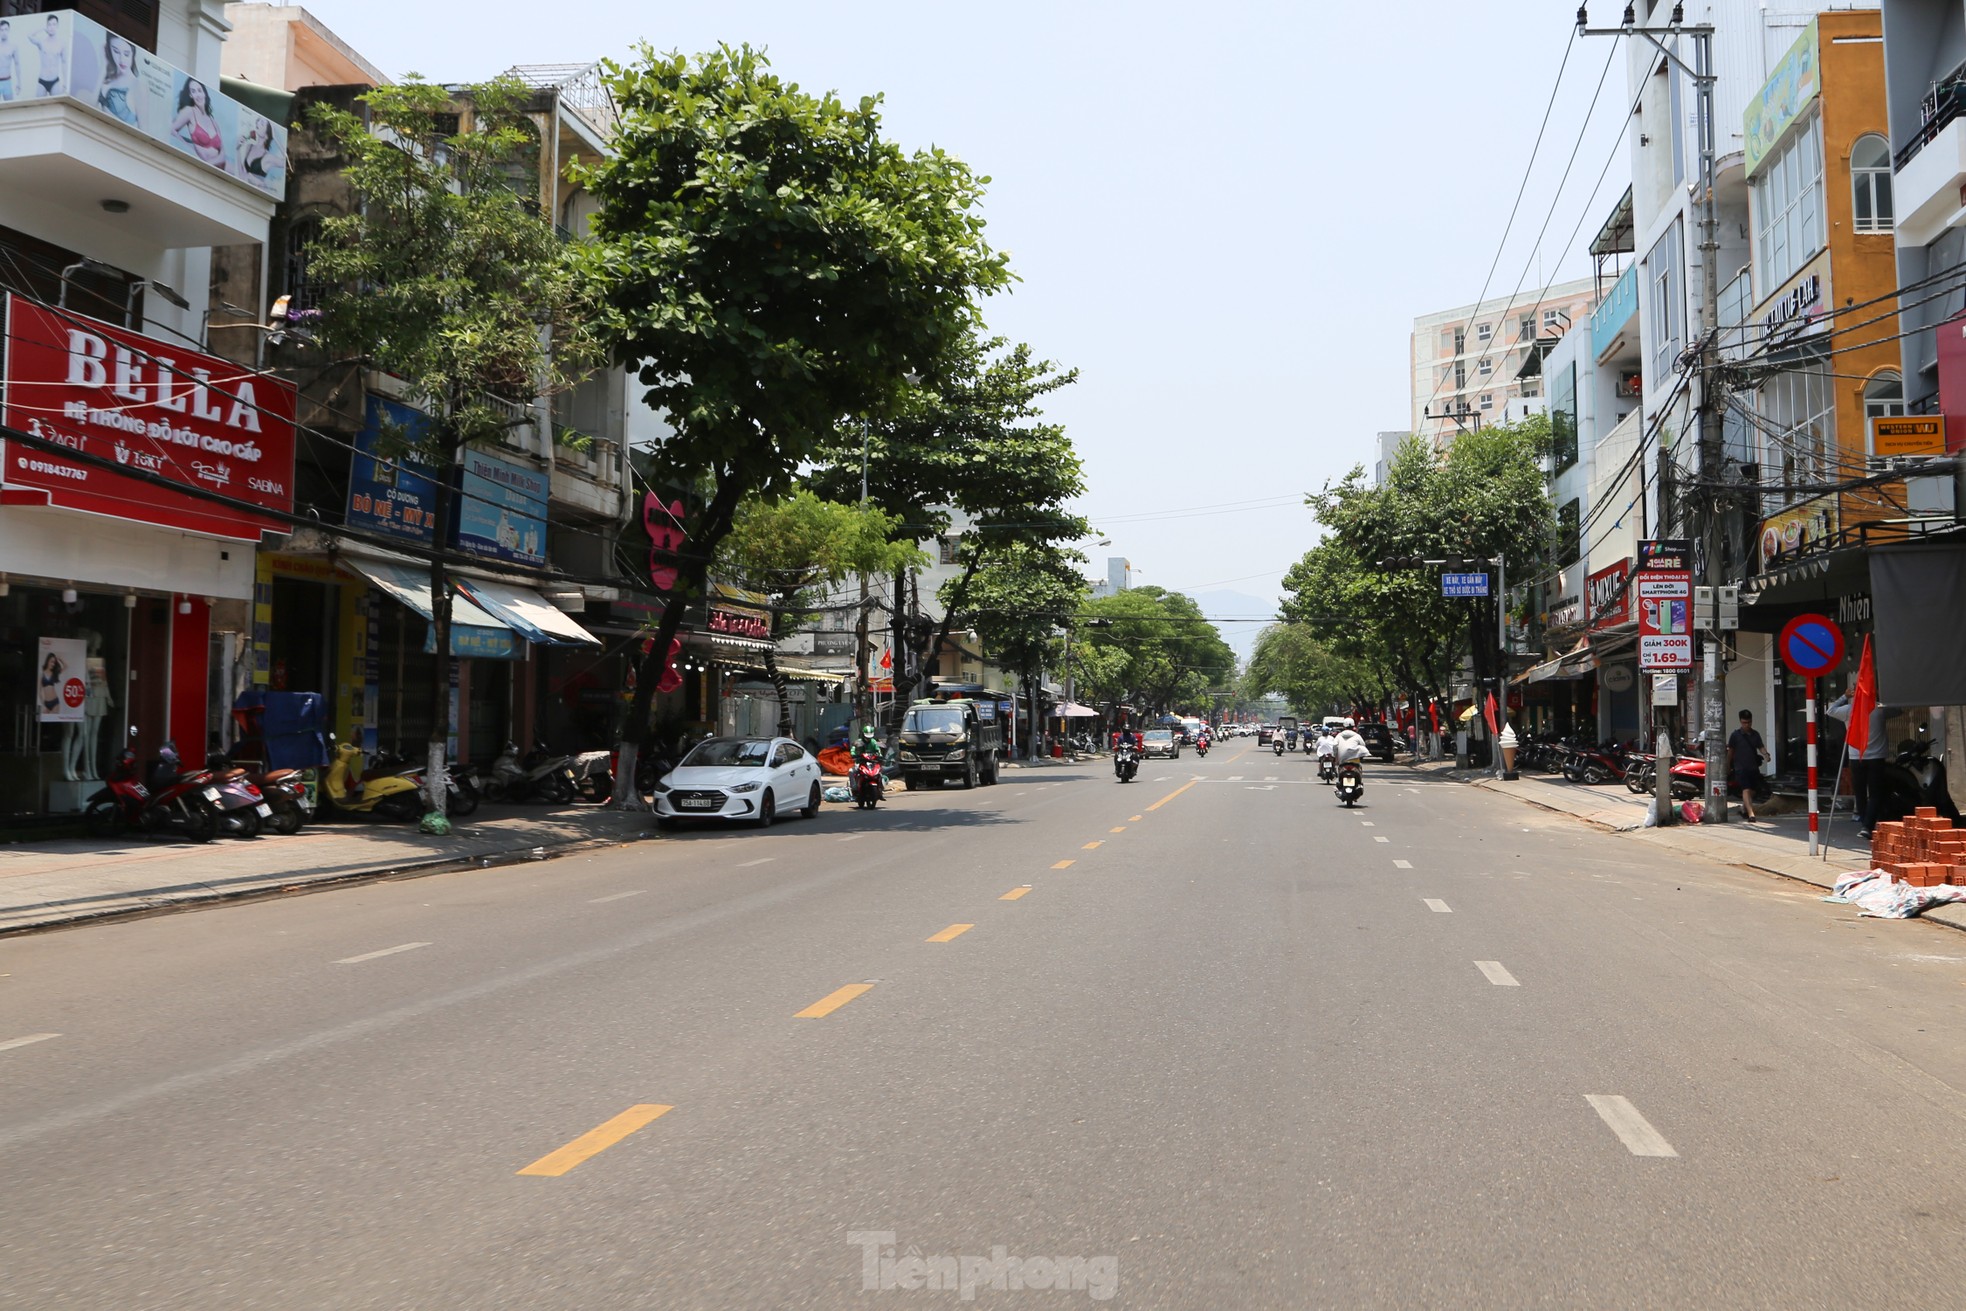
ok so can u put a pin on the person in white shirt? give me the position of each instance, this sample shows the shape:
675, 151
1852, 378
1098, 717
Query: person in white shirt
1348, 746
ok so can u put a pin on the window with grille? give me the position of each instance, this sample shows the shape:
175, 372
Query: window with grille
1798, 424
1484, 331
948, 548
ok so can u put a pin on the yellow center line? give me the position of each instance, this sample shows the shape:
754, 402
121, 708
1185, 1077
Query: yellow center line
1015, 893
1177, 792
1094, 846
951, 933
1133, 819
1120, 829
1063, 864
832, 1001
595, 1141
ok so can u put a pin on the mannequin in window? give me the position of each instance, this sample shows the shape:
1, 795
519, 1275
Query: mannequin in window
81, 742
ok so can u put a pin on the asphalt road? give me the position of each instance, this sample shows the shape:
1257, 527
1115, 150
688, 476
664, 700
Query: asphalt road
1207, 1040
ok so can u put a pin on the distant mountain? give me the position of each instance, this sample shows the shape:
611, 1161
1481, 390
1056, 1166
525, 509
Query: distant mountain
1238, 605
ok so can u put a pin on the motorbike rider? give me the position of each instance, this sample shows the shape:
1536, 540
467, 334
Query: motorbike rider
868, 747
1327, 746
1348, 747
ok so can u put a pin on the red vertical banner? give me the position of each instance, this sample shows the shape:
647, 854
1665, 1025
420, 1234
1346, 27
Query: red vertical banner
1952, 381
190, 693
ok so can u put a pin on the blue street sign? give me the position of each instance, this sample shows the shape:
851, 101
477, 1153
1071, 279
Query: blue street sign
1464, 584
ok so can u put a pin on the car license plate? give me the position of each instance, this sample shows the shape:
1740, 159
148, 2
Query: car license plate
263, 809
698, 803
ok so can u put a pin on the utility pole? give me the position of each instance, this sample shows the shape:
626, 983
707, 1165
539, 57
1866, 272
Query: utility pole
1713, 710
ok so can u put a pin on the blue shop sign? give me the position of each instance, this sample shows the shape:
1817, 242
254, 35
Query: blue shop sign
391, 490
501, 510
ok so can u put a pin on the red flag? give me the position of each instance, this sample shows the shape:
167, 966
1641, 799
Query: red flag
1433, 713
1863, 700
887, 659
1488, 713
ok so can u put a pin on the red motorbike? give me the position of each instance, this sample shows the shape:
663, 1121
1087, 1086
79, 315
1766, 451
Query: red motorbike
865, 783
1689, 782
125, 803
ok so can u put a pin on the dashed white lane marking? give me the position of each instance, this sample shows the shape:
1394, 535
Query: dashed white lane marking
1233, 778
762, 860
1633, 1129
22, 1042
1380, 837
1414, 791
595, 901
1402, 864
1498, 976
1269, 778
386, 951
1366, 823
1437, 905
855, 837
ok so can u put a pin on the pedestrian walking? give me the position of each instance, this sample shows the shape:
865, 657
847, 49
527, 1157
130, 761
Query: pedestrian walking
1745, 752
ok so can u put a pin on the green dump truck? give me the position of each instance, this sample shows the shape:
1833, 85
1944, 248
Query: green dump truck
948, 741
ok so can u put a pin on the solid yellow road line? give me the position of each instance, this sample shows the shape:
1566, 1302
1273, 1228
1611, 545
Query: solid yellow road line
1134, 819
595, 1141
1177, 792
1094, 846
1063, 864
1120, 829
951, 933
1015, 893
832, 1001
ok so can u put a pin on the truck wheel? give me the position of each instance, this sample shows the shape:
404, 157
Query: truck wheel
969, 774
990, 773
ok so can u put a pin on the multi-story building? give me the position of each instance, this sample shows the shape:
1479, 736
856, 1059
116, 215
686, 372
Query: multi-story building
139, 471
1468, 362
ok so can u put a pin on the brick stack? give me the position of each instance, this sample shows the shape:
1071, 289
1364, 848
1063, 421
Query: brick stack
1924, 850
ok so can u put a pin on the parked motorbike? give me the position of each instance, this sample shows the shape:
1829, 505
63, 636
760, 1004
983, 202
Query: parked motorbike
1641, 772
237, 803
1912, 780
593, 775
1126, 762
1689, 782
282, 791
1351, 783
460, 782
126, 803
345, 792
1592, 765
866, 783
540, 774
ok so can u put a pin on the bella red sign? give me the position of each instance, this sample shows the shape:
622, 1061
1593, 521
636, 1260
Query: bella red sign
1606, 597
147, 405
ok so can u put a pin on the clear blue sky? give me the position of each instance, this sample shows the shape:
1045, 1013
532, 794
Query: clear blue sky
1225, 215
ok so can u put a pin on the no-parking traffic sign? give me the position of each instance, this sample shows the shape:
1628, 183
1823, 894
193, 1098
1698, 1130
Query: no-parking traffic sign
1810, 645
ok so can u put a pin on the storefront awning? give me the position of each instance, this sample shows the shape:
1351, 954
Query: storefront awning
1073, 710
526, 613
474, 632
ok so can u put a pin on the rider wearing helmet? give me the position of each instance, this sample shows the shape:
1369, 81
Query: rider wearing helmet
868, 747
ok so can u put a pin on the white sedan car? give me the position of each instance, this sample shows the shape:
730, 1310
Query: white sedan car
745, 778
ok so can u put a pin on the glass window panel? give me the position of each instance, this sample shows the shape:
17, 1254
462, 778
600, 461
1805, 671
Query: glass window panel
1885, 214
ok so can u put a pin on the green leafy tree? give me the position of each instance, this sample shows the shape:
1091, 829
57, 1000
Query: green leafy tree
1483, 496
773, 267
793, 549
1018, 602
445, 275
1170, 657
972, 442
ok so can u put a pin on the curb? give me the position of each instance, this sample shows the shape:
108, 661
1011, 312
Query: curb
148, 904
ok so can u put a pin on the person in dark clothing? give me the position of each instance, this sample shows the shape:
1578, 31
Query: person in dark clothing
1745, 752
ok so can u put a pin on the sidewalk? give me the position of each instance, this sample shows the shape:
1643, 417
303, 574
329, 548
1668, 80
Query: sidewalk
73, 880
1777, 845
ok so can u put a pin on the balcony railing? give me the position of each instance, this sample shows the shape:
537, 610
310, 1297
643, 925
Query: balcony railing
1941, 107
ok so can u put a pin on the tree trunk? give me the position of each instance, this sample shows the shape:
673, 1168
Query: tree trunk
957, 597
437, 760
784, 688
694, 571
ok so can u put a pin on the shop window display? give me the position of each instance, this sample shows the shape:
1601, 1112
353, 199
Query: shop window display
64, 667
